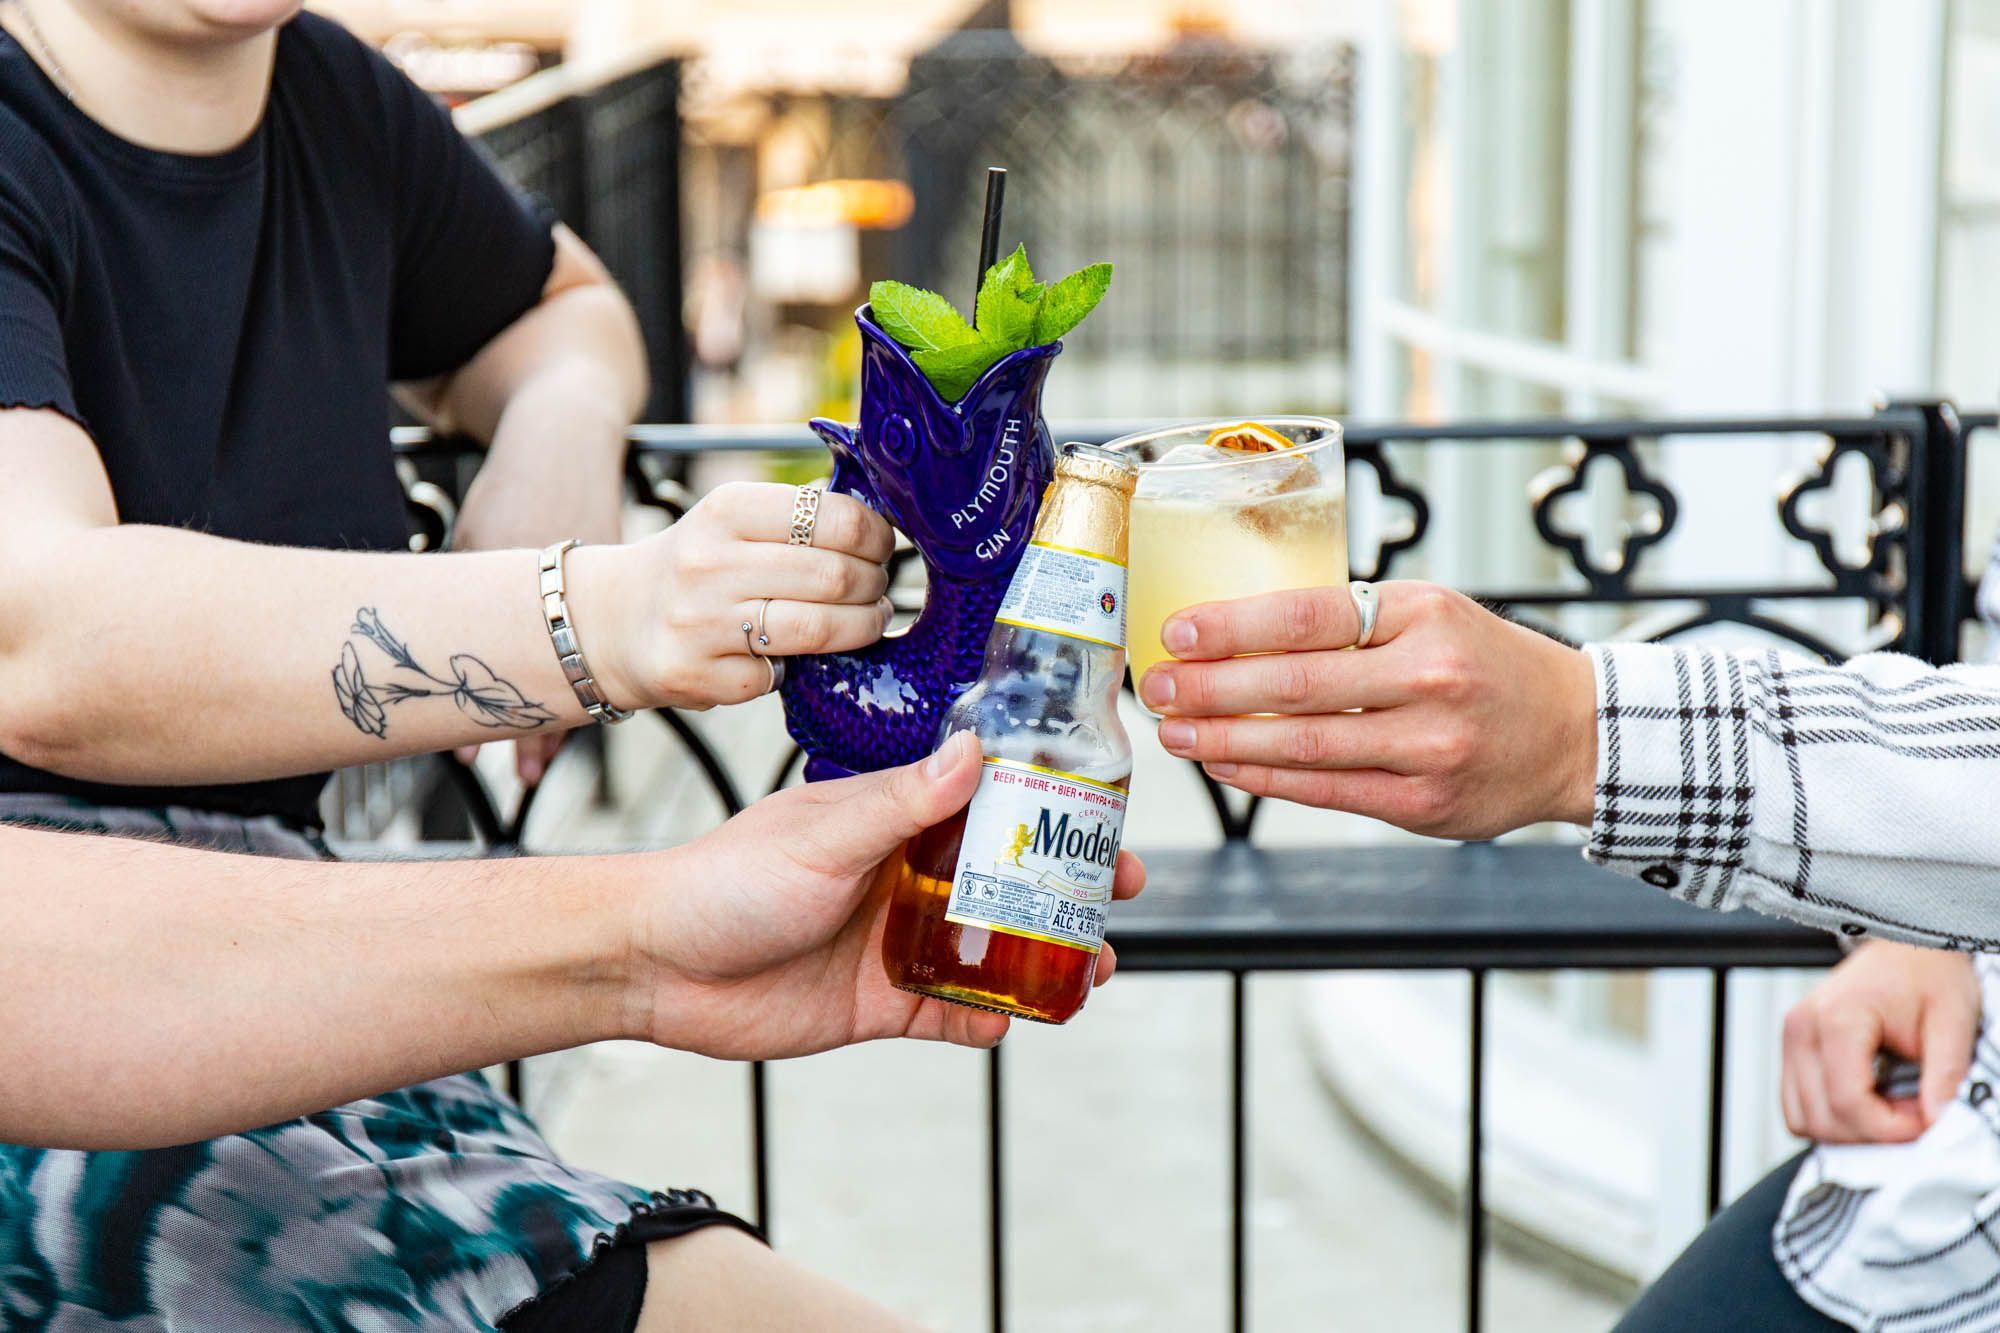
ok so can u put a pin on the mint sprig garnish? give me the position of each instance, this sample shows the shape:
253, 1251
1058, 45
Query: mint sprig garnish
1013, 311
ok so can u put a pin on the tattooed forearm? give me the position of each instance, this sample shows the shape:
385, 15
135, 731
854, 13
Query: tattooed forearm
479, 694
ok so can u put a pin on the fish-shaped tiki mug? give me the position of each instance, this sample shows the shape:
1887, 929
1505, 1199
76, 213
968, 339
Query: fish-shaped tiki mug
963, 481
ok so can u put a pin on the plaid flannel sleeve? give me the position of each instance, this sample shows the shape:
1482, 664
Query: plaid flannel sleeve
1863, 799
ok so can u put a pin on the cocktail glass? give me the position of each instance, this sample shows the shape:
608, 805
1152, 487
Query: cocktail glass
1213, 524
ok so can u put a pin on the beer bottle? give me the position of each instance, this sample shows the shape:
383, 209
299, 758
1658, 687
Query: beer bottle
1003, 907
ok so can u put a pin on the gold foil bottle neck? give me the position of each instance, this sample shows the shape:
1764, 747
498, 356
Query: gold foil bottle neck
1088, 507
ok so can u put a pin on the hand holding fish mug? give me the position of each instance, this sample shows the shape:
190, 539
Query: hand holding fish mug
663, 619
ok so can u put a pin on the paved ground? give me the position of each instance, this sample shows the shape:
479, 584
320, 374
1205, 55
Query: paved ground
1118, 1194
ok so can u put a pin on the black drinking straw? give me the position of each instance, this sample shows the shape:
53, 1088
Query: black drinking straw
989, 233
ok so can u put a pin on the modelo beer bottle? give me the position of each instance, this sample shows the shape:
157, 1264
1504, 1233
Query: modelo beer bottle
1003, 907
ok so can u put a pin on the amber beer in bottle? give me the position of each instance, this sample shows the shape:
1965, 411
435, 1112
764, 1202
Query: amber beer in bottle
1003, 907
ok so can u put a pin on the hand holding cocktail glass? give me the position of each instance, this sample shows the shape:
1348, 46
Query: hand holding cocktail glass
1468, 725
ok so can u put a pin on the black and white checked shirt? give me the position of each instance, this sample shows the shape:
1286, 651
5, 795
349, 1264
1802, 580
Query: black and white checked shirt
1863, 799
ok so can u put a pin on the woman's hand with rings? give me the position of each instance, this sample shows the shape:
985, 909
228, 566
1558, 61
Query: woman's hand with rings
661, 620
1451, 721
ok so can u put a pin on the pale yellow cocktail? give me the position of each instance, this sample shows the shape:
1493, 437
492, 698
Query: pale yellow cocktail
1212, 523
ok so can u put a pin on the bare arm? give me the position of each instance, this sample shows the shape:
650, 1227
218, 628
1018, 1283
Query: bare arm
155, 994
552, 395
158, 995
133, 653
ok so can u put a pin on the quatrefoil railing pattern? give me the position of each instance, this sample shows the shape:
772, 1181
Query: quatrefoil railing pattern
1891, 520
1393, 490
1549, 490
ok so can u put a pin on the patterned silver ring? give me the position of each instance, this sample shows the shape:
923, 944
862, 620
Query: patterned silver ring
1367, 607
805, 516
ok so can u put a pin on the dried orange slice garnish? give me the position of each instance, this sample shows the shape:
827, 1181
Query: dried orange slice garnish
1248, 438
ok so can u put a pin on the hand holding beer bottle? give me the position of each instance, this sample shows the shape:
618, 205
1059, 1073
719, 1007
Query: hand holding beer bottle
1004, 908
765, 939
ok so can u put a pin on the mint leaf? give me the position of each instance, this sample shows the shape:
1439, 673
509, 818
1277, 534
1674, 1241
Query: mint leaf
1008, 299
1065, 303
1012, 311
953, 370
920, 320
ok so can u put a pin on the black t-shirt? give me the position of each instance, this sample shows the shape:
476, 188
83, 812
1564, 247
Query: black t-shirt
226, 326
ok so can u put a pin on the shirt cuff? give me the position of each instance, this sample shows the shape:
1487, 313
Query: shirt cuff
1674, 775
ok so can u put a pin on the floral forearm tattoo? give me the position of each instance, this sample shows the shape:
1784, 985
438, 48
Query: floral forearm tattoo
479, 694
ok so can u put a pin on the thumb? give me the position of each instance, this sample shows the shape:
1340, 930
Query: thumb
1948, 1035
890, 807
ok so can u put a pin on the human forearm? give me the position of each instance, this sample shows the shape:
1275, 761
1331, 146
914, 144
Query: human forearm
552, 395
581, 337
158, 995
149, 654
555, 465
1854, 798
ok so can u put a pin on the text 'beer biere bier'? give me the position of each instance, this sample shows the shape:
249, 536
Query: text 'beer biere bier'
1004, 906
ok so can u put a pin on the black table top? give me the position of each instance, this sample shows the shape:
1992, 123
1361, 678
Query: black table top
1443, 905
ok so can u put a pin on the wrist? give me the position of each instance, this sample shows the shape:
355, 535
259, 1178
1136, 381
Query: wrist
1576, 738
655, 986
599, 592
529, 957
582, 948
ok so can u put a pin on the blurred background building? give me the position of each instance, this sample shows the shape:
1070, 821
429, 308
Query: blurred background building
1420, 209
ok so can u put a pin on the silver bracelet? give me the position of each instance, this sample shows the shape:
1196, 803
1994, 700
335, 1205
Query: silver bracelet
555, 610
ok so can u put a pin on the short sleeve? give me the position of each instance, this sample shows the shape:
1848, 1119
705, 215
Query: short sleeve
472, 252
34, 367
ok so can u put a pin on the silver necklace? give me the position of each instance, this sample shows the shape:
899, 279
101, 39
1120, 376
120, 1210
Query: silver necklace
56, 75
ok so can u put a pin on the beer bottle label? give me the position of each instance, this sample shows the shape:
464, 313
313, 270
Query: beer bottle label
1038, 855
1067, 592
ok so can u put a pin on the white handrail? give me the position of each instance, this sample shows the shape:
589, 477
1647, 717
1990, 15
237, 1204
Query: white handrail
539, 91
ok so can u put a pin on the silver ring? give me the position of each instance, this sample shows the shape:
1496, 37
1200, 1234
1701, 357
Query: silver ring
755, 639
805, 516
1367, 606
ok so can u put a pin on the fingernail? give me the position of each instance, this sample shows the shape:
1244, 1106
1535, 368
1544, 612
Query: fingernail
532, 774
945, 756
1157, 688
1220, 770
887, 608
1177, 735
1178, 635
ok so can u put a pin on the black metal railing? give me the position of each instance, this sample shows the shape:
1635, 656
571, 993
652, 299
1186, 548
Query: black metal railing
607, 160
1239, 908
